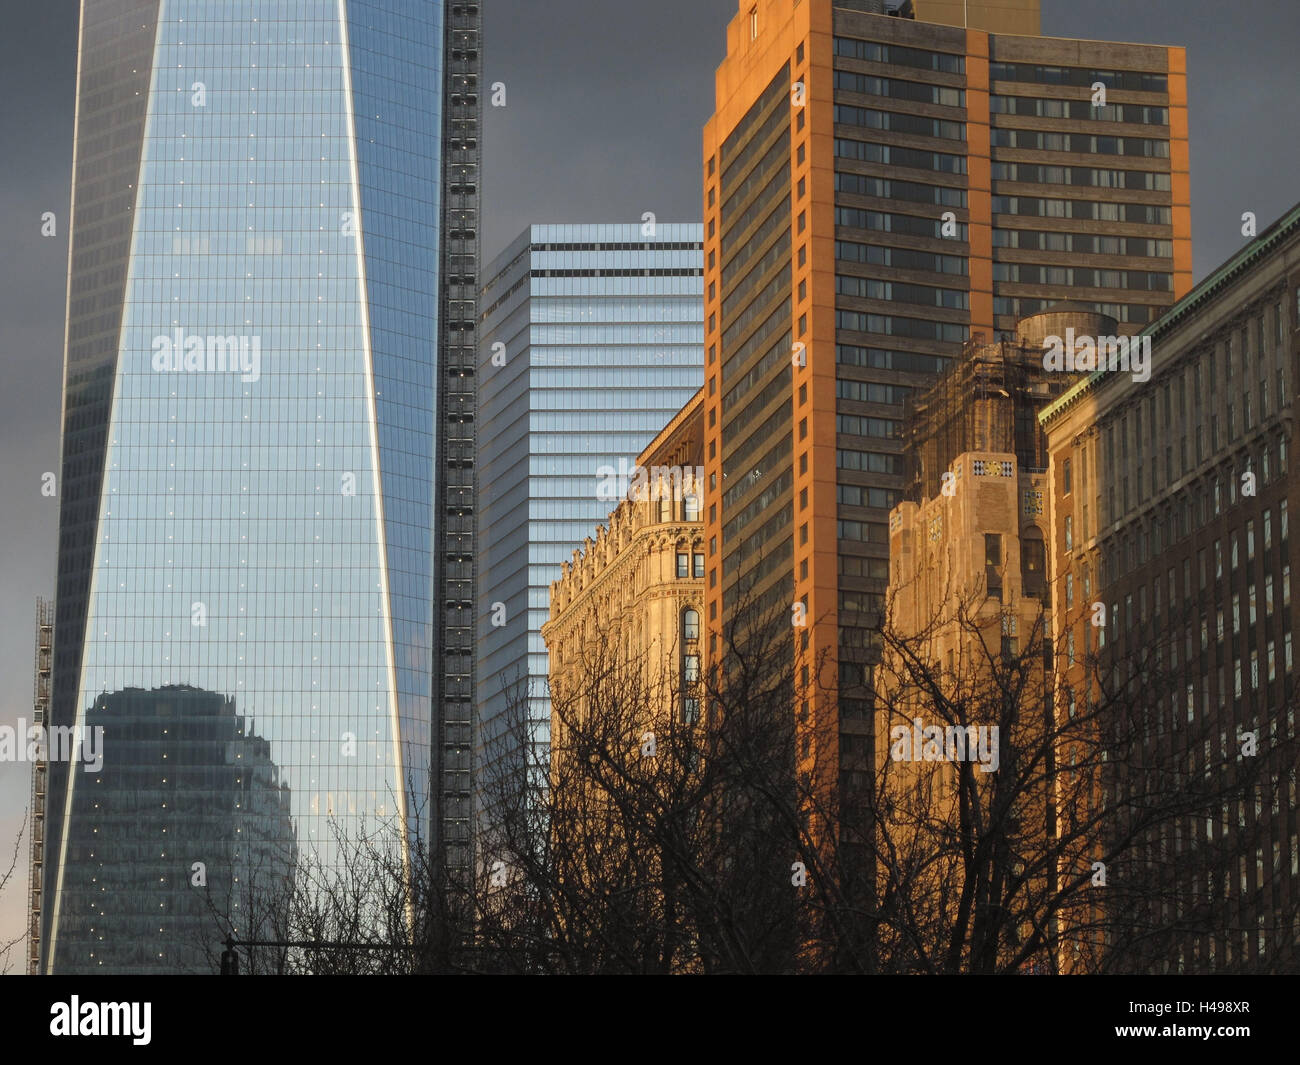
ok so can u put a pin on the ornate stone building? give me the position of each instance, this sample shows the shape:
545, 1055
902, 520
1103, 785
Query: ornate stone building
636, 588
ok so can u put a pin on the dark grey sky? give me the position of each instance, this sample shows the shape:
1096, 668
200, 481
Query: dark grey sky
605, 103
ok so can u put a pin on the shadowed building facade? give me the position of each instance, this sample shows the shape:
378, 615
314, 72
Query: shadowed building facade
1170, 527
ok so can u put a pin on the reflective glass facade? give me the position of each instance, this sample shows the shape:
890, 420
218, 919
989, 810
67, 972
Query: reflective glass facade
597, 332
264, 425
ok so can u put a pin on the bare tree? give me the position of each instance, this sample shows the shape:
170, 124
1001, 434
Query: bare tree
1096, 829
7, 946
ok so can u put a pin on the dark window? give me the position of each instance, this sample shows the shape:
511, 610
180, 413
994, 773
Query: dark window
1033, 563
993, 549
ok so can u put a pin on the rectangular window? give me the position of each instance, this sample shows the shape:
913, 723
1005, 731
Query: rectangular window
1066, 479
690, 668
992, 549
1069, 533
683, 565
699, 565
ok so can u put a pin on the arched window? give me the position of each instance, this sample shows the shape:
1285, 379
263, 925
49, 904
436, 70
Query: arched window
690, 624
691, 506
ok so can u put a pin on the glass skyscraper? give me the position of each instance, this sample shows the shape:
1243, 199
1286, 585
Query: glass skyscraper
592, 339
268, 368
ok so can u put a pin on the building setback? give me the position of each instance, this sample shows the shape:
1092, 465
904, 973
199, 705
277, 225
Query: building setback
591, 342
1170, 504
877, 191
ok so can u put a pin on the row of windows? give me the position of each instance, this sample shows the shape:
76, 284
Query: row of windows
779, 352
779, 418
1161, 532
779, 385
1199, 377
856, 425
769, 462
868, 462
778, 152
758, 305
1090, 243
779, 318
895, 54
867, 532
869, 85
860, 602
641, 245
779, 250
893, 155
882, 359
887, 189
651, 271
1081, 277
776, 87
900, 258
779, 118
1131, 80
870, 118
870, 392
854, 566
857, 495
780, 215
690, 565
1091, 210
762, 203
1082, 175
901, 292
1038, 107
1079, 143
884, 222
765, 499
1019, 307
889, 325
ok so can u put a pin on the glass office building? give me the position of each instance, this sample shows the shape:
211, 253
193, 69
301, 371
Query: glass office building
592, 339
253, 421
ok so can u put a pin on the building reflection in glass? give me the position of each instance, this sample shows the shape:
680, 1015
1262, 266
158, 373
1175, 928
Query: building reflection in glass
187, 819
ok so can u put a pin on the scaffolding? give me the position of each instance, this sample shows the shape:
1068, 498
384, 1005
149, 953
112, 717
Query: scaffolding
36, 804
987, 401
